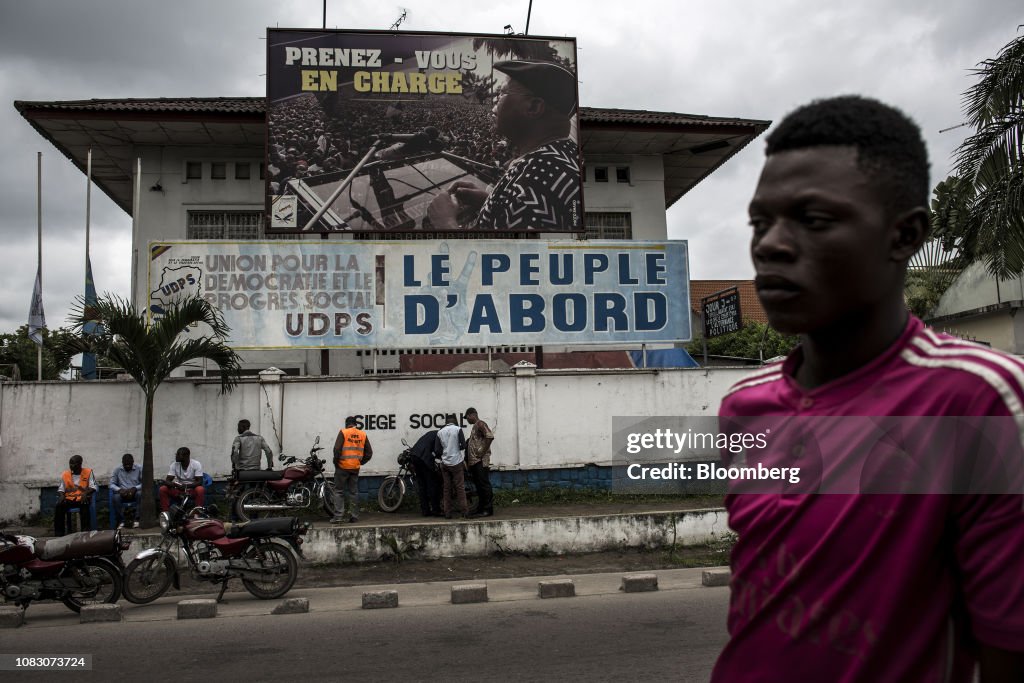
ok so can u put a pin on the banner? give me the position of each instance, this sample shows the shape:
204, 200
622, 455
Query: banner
389, 131
305, 294
36, 315
89, 328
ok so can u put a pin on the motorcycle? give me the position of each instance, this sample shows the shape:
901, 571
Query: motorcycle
259, 493
78, 569
217, 553
394, 487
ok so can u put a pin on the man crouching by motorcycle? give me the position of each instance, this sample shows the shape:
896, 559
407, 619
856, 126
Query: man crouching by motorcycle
183, 470
351, 450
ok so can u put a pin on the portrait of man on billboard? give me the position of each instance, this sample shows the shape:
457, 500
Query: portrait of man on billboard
392, 132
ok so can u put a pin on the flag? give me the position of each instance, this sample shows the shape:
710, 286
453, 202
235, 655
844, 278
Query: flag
36, 317
90, 328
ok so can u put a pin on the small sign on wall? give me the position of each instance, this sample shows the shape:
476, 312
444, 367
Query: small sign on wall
721, 312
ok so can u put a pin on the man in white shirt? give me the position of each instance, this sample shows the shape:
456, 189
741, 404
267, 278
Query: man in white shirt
453, 466
183, 471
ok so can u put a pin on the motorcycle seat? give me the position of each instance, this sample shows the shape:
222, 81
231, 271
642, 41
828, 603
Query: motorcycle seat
259, 528
73, 546
259, 475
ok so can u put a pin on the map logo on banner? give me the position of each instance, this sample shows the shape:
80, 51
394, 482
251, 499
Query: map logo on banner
396, 132
300, 294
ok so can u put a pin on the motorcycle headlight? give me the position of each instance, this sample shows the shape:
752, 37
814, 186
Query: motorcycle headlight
165, 521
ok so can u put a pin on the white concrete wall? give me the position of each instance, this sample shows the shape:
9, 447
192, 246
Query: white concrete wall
542, 419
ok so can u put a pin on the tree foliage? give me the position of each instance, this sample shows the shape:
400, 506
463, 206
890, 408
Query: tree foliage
980, 207
17, 349
150, 353
753, 340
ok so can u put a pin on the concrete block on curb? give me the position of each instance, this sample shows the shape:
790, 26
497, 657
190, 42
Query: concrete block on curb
197, 609
470, 592
715, 577
640, 583
92, 614
292, 606
557, 588
379, 599
11, 617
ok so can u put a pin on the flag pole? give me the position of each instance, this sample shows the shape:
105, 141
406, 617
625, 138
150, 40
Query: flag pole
88, 359
39, 261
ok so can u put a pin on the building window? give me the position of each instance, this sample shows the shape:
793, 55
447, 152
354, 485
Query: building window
193, 170
622, 174
600, 174
224, 225
608, 225
219, 170
263, 171
242, 170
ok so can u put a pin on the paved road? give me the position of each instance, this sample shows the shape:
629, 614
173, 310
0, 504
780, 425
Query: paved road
600, 635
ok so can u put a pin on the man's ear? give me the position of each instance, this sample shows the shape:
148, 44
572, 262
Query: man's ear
909, 231
536, 108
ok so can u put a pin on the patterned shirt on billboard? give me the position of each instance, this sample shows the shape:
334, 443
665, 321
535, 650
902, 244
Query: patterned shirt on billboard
539, 191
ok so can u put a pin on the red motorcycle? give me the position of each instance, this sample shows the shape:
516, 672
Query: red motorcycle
261, 493
77, 569
253, 552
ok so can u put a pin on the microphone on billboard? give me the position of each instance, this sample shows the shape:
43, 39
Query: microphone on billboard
427, 134
406, 144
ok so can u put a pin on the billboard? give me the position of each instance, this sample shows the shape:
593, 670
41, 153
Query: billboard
344, 294
399, 132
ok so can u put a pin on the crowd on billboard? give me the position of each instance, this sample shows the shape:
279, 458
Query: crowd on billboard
309, 143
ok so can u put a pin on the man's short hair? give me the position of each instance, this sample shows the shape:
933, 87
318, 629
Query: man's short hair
471, 411
243, 425
183, 451
350, 421
450, 419
77, 459
889, 146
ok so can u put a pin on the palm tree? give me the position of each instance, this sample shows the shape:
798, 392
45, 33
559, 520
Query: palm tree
149, 353
981, 206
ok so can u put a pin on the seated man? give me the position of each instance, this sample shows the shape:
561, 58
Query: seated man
126, 484
183, 472
74, 491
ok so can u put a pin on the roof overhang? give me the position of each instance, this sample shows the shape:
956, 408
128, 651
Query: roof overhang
692, 146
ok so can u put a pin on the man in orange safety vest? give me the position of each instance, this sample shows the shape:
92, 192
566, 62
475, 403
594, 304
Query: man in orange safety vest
351, 451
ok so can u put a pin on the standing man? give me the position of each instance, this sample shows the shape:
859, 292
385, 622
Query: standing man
74, 491
352, 450
452, 443
540, 189
184, 473
478, 460
425, 454
865, 588
245, 455
126, 483
245, 449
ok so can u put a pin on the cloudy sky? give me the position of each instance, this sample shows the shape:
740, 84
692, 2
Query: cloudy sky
744, 58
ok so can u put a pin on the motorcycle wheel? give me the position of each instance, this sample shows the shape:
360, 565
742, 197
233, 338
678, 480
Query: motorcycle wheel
272, 555
390, 493
108, 588
329, 506
147, 579
252, 497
